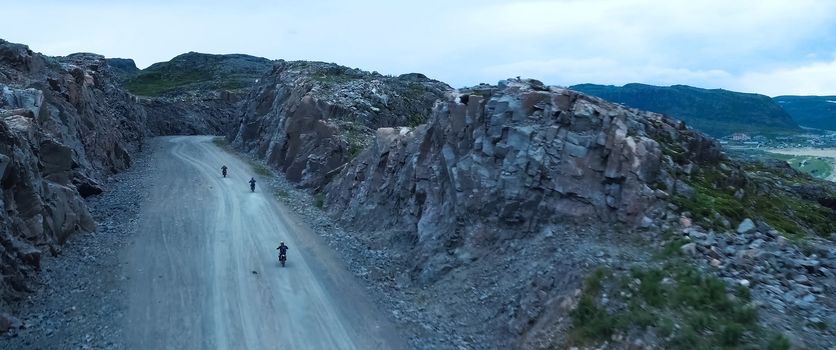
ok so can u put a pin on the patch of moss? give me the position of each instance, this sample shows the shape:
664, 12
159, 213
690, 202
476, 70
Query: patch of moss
319, 200
670, 147
778, 342
158, 83
219, 141
413, 120
820, 167
787, 213
261, 169
688, 308
330, 78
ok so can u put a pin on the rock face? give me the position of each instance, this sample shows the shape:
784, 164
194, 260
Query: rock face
310, 118
122, 68
63, 124
195, 93
197, 113
716, 112
497, 163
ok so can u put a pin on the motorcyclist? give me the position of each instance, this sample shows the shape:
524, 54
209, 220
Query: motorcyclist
252, 184
223, 170
282, 249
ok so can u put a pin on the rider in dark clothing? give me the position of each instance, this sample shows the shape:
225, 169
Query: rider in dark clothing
252, 184
282, 249
223, 170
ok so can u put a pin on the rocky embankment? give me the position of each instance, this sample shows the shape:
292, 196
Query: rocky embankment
484, 217
485, 220
502, 162
193, 93
310, 118
65, 125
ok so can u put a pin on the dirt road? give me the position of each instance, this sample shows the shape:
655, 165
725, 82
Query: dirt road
204, 272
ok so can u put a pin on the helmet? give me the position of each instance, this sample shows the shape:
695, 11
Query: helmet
282, 242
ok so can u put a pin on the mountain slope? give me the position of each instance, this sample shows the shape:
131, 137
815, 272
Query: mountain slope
195, 93
195, 71
810, 111
716, 112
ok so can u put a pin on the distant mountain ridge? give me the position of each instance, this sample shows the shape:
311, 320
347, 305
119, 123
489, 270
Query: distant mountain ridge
716, 112
811, 111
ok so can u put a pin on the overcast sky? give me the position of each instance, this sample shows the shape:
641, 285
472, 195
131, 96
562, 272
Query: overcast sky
763, 46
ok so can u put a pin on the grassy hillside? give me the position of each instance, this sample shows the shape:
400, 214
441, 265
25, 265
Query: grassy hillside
197, 71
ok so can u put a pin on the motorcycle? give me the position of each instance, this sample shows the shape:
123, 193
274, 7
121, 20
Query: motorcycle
224, 172
252, 186
282, 259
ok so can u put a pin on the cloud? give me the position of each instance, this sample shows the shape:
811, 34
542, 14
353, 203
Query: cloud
709, 43
607, 71
812, 79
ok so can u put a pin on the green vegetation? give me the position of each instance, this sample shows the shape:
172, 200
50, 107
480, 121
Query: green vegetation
158, 83
785, 212
220, 142
716, 112
357, 137
778, 342
414, 120
319, 200
686, 307
197, 71
330, 78
261, 169
414, 91
820, 167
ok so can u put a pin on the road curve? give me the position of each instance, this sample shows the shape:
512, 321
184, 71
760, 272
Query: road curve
204, 274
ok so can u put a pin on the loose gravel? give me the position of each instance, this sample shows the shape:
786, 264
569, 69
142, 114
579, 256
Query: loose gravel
80, 299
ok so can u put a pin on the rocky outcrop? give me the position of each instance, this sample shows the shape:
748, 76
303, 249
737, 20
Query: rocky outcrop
497, 163
122, 68
309, 118
64, 125
195, 93
197, 113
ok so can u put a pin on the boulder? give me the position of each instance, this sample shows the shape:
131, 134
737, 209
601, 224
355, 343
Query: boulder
8, 322
745, 226
689, 249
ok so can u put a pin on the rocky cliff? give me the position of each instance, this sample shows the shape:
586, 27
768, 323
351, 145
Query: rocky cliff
310, 118
65, 125
194, 93
716, 112
497, 206
502, 161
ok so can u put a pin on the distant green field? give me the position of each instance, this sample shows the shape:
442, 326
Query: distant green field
821, 167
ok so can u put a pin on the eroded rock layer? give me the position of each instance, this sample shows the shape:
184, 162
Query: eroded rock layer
64, 125
495, 163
